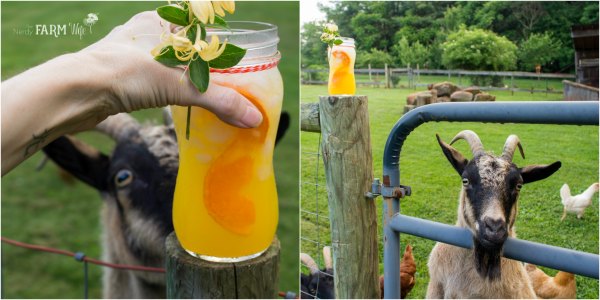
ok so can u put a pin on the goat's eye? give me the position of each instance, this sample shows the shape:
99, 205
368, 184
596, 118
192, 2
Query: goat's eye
123, 178
519, 186
465, 181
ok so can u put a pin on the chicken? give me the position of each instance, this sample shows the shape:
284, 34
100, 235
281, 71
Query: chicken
561, 286
579, 203
407, 273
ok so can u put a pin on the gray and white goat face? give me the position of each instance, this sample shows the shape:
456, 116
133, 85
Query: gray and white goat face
490, 191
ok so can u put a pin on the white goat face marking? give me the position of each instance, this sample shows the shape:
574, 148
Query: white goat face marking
487, 195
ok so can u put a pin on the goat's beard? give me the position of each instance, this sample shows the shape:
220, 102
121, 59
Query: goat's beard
487, 260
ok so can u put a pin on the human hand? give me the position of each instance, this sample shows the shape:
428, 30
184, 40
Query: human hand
137, 81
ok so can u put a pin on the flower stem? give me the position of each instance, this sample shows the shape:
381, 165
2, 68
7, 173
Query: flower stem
187, 125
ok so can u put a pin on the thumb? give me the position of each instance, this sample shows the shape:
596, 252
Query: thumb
229, 105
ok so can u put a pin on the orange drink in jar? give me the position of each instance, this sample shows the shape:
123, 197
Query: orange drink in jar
341, 68
225, 205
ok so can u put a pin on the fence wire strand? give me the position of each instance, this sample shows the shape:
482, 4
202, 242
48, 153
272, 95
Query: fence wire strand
320, 220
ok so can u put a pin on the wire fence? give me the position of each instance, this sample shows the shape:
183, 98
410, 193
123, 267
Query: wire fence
315, 224
414, 78
81, 257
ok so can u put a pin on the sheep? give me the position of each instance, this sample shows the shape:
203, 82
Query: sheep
319, 283
137, 184
488, 209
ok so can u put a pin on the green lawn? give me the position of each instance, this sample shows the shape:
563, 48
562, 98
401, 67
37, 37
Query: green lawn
435, 184
37, 207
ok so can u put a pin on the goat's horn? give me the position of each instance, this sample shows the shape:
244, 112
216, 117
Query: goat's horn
510, 146
309, 262
167, 116
327, 257
472, 139
118, 126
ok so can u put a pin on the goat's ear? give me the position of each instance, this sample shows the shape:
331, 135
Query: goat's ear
284, 124
457, 160
538, 172
82, 160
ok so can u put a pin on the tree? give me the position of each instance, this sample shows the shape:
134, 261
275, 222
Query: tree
376, 58
538, 49
415, 54
479, 49
314, 52
528, 14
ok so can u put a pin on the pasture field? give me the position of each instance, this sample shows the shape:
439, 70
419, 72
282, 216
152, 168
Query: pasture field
39, 208
435, 184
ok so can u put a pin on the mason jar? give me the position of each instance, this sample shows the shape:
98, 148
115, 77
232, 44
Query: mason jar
341, 68
225, 205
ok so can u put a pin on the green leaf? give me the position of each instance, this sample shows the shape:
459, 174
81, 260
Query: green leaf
168, 57
202, 32
199, 73
219, 23
338, 42
191, 34
173, 14
230, 57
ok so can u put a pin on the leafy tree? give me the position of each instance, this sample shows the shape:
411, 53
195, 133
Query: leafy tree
415, 54
590, 14
538, 49
377, 58
314, 52
479, 49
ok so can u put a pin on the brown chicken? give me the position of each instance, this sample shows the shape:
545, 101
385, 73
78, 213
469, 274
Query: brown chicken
561, 286
408, 268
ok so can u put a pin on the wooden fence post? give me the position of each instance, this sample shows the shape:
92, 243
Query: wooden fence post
387, 76
370, 78
190, 277
346, 150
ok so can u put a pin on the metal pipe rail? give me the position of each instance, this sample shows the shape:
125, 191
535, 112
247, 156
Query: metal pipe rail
571, 113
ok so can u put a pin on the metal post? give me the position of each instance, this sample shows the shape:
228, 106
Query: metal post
391, 250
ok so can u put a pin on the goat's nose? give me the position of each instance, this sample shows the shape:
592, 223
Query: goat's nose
496, 226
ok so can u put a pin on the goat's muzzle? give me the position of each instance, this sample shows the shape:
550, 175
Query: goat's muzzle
492, 233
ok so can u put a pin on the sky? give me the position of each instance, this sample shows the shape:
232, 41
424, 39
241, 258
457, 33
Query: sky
309, 11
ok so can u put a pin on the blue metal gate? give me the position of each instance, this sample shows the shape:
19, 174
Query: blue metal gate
572, 113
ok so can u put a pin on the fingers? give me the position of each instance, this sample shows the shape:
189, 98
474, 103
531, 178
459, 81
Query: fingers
229, 105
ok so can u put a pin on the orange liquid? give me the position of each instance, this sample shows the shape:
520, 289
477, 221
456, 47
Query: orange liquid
341, 71
225, 202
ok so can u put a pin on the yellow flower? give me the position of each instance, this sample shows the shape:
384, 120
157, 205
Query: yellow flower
219, 6
203, 10
185, 50
210, 51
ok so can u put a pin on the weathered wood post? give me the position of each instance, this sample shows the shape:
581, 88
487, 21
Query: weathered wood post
370, 78
346, 150
189, 277
387, 76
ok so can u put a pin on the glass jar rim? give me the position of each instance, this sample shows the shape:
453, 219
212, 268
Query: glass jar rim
260, 39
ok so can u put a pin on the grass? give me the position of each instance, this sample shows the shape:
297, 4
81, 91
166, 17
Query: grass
37, 207
436, 185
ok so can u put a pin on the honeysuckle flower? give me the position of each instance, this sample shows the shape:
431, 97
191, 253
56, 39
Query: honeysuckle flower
331, 27
203, 10
185, 49
210, 51
220, 6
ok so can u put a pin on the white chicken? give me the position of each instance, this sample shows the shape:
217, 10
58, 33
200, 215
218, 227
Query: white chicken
576, 204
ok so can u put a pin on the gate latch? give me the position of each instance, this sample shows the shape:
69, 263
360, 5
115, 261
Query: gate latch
387, 191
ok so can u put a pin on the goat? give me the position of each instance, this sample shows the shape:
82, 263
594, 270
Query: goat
319, 283
137, 184
488, 209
